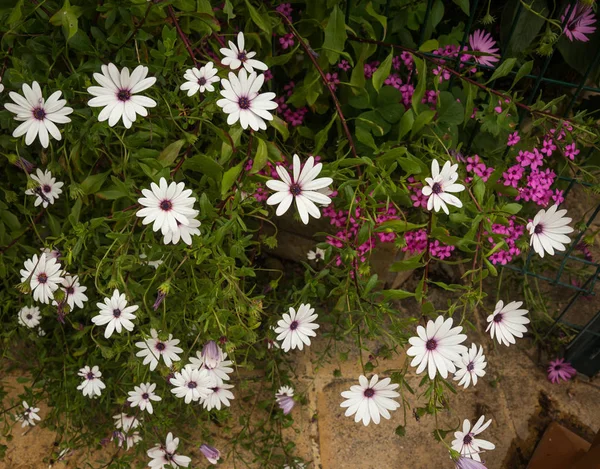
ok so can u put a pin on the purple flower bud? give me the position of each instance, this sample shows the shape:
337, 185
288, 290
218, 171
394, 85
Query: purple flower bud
159, 299
25, 165
212, 454
212, 354
285, 399
468, 463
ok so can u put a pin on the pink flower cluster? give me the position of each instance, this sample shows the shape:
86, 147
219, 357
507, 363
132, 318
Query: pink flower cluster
478, 167
286, 41
416, 242
537, 187
451, 52
419, 200
344, 65
286, 10
292, 117
406, 58
371, 68
332, 80
512, 233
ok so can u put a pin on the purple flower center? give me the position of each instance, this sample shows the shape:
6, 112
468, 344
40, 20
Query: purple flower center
116, 312
244, 102
498, 318
467, 439
471, 366
160, 346
70, 290
242, 56
90, 376
369, 392
124, 95
145, 395
294, 325
295, 189
192, 384
47, 188
431, 344
557, 367
538, 229
436, 188
39, 113
29, 316
202, 81
42, 278
166, 205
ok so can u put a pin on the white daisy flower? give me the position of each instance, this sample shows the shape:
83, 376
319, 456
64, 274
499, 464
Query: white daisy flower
285, 399
242, 101
154, 348
154, 264
125, 422
470, 366
166, 205
295, 328
184, 232
130, 439
220, 395
439, 186
29, 415
92, 385
200, 80
192, 384
302, 187
220, 373
370, 400
437, 347
39, 117
466, 443
117, 94
164, 455
74, 292
212, 454
507, 322
317, 255
29, 316
548, 231
142, 396
44, 277
48, 189
115, 314
236, 56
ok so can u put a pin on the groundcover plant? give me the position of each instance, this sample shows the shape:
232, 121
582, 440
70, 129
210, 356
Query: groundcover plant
151, 153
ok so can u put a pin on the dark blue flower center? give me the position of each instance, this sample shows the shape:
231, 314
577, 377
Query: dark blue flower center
436, 188
294, 325
431, 344
498, 318
39, 113
538, 229
202, 81
42, 278
116, 312
295, 190
192, 385
244, 102
166, 205
160, 346
369, 392
124, 95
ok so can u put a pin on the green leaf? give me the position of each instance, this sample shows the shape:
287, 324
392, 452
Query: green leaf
428, 46
261, 157
382, 72
504, 69
411, 263
421, 121
513, 208
396, 294
524, 70
522, 31
364, 136
371, 283
230, 177
400, 430
479, 190
16, 13
450, 111
281, 126
410, 165
168, 156
322, 135
11, 220
205, 165
335, 35
398, 226
382, 19
67, 18
420, 89
93, 183
406, 123
260, 20
388, 104
464, 5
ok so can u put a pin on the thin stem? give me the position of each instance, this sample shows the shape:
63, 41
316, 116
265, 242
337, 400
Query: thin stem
182, 35
338, 107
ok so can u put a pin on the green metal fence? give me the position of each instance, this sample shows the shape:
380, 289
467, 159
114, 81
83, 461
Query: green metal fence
584, 350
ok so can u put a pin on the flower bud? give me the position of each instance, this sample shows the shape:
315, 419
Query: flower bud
212, 454
212, 354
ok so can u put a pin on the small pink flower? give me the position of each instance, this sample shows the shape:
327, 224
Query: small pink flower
332, 80
286, 10
560, 369
286, 41
344, 65
268, 75
513, 139
571, 151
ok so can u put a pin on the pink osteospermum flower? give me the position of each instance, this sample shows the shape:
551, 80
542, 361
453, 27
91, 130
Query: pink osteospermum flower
580, 21
513, 139
560, 369
481, 41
